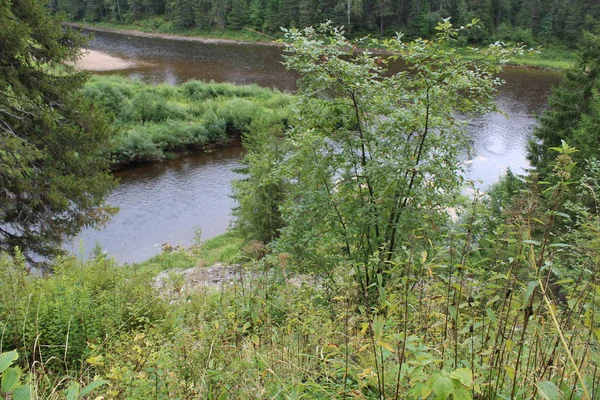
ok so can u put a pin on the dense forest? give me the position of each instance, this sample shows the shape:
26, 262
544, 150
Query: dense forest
527, 21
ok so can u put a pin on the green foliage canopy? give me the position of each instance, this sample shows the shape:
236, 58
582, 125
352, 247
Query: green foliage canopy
53, 169
527, 21
372, 158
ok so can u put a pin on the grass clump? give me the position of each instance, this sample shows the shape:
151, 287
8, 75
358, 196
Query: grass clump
542, 58
224, 248
155, 121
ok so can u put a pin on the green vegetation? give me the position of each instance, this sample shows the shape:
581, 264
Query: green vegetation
53, 178
543, 58
153, 120
466, 312
349, 277
224, 248
159, 25
531, 22
573, 115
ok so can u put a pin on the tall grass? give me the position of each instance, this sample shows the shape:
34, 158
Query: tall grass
153, 120
503, 304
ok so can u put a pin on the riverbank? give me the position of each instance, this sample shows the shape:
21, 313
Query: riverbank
95, 61
550, 59
166, 31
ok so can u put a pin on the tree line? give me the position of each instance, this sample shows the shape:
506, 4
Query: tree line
527, 21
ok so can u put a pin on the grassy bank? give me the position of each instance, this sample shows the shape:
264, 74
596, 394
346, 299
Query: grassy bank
552, 59
160, 26
225, 248
153, 122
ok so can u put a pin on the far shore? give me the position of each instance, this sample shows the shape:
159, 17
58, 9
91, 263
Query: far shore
165, 35
555, 64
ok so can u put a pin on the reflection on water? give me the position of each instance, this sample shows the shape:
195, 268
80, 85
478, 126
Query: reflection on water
500, 140
167, 202
164, 202
174, 61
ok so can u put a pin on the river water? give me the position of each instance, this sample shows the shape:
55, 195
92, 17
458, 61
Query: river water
166, 202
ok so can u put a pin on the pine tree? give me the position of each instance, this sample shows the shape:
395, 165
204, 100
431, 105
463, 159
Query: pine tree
53, 163
202, 16
183, 13
218, 12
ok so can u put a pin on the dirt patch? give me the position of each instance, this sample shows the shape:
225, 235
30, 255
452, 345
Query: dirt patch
177, 282
93, 60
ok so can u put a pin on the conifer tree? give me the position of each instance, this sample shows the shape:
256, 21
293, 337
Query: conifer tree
238, 16
53, 163
569, 105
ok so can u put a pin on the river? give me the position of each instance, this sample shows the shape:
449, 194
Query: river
166, 202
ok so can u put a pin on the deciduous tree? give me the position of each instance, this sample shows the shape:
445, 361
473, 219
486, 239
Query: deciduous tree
374, 158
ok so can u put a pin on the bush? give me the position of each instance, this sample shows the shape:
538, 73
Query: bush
83, 304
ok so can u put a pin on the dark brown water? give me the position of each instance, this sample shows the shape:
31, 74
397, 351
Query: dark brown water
174, 61
165, 202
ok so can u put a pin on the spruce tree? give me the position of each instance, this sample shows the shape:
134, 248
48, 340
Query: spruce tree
238, 16
53, 163
569, 105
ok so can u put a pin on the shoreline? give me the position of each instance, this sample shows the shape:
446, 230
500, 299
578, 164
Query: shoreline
544, 64
169, 36
98, 61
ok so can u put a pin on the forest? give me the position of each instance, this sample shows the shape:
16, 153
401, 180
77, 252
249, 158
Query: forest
559, 22
360, 264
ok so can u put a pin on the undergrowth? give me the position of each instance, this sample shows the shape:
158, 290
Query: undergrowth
490, 313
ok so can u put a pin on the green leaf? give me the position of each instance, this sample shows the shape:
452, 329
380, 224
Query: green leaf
23, 392
10, 379
530, 288
463, 375
73, 392
510, 371
560, 245
560, 214
6, 359
461, 393
532, 242
442, 385
93, 385
548, 390
491, 315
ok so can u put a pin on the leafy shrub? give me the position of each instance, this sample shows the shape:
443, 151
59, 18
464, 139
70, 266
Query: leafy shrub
111, 96
238, 115
55, 320
136, 146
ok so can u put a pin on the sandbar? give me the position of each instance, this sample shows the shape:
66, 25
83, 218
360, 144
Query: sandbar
93, 60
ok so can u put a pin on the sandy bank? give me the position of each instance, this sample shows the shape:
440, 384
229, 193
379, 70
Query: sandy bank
93, 60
